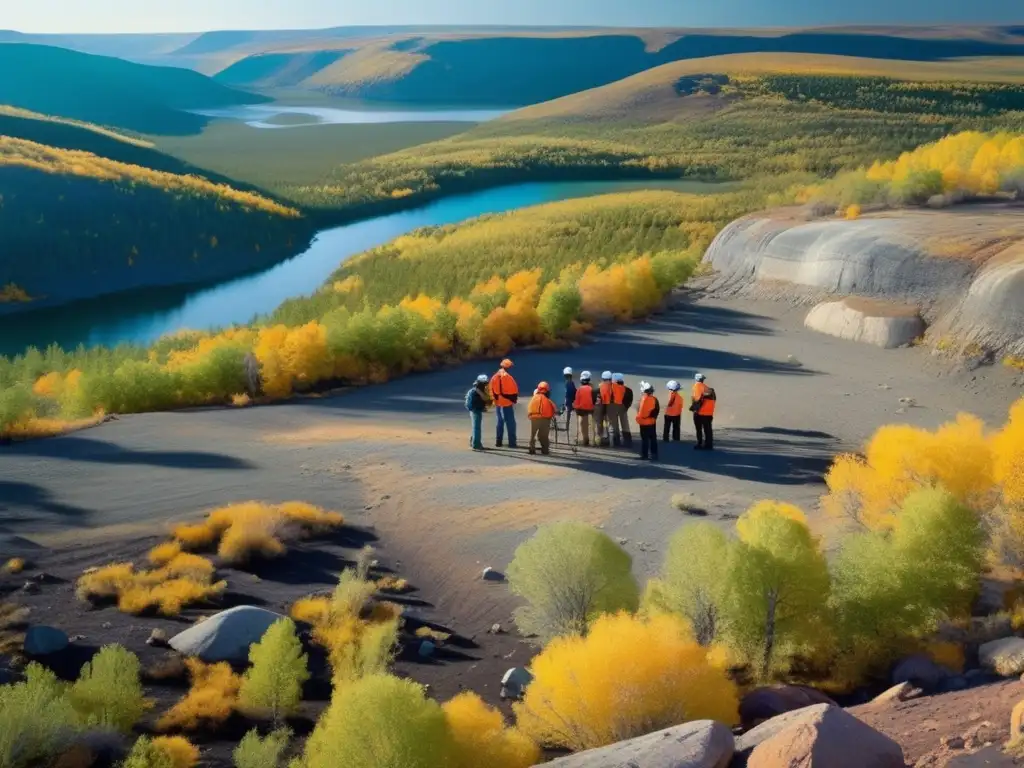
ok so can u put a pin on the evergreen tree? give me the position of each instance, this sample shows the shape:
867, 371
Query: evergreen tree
108, 692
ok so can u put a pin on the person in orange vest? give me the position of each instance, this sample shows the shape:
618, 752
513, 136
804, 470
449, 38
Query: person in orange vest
542, 409
703, 407
601, 416
583, 404
618, 411
505, 394
673, 412
647, 418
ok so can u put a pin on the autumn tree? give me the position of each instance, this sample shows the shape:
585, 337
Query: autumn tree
479, 736
778, 585
569, 573
277, 673
254, 751
691, 584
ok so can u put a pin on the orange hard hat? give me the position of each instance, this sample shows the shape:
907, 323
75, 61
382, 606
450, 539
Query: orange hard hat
543, 387
506, 363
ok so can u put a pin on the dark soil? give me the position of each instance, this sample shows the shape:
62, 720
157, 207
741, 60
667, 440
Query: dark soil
472, 658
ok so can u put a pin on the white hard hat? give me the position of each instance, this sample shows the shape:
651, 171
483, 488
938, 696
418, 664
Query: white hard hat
567, 371
585, 376
618, 377
606, 376
699, 377
674, 385
646, 386
482, 379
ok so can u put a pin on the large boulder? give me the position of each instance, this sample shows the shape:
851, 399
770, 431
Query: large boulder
1004, 657
880, 323
225, 636
921, 671
43, 641
827, 737
700, 744
765, 703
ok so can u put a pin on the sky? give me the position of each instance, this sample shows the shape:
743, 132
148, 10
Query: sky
202, 15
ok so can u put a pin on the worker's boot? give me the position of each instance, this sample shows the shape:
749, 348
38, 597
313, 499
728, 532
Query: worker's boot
617, 441
627, 439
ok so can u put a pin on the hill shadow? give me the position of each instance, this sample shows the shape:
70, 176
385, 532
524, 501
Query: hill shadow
767, 455
90, 450
40, 504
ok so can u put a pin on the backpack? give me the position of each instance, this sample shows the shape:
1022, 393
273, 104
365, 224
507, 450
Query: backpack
469, 398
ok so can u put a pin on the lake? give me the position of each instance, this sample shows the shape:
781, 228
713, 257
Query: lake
278, 116
145, 315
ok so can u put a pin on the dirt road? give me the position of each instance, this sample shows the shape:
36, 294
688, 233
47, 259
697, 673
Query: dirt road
395, 457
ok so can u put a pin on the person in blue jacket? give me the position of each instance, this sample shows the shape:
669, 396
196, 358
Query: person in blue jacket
570, 396
477, 401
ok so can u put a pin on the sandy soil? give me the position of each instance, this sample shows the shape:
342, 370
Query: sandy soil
395, 459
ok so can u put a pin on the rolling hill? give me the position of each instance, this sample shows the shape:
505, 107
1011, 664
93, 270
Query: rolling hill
86, 212
725, 118
525, 67
110, 91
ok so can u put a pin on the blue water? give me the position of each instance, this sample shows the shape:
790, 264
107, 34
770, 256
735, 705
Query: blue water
143, 316
260, 116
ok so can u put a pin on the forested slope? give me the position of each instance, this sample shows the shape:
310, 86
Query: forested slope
91, 212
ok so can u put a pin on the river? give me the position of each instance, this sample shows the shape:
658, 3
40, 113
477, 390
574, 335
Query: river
145, 315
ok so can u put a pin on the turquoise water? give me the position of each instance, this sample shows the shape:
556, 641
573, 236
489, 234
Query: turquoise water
143, 316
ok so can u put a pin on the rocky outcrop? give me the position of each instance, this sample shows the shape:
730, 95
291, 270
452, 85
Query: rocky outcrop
829, 737
763, 704
962, 267
881, 323
700, 744
1004, 657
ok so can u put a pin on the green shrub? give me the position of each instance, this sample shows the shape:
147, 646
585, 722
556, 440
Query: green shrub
691, 583
777, 588
255, 752
146, 754
569, 573
560, 304
273, 683
379, 722
37, 721
108, 693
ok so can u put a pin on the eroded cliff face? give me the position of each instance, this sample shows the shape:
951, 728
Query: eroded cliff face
962, 268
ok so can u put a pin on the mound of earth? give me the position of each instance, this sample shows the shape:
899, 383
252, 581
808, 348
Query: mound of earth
962, 268
872, 321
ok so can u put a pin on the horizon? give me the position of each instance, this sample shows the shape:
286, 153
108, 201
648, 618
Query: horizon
125, 17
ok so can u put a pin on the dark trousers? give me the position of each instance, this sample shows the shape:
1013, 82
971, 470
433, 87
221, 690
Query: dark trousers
672, 424
705, 432
649, 441
506, 418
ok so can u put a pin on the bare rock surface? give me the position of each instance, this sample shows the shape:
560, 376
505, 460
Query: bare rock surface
700, 744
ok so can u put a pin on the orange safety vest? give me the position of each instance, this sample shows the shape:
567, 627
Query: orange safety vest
503, 384
541, 408
618, 393
584, 402
707, 408
645, 413
606, 393
675, 405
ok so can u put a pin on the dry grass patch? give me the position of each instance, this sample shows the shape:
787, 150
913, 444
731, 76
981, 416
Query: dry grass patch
184, 580
208, 703
243, 532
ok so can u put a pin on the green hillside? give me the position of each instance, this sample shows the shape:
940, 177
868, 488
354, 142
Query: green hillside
110, 91
526, 67
90, 212
732, 117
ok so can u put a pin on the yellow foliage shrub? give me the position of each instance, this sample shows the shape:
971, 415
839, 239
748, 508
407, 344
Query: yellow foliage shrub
184, 580
241, 400
853, 212
311, 610
211, 699
1008, 447
180, 751
479, 735
162, 554
900, 458
627, 677
290, 356
254, 529
15, 565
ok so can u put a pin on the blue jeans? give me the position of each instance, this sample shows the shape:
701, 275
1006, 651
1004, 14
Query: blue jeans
507, 416
476, 439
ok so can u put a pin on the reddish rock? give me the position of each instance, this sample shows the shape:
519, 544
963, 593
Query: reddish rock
827, 737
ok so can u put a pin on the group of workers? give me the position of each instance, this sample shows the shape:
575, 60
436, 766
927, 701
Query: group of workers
602, 411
